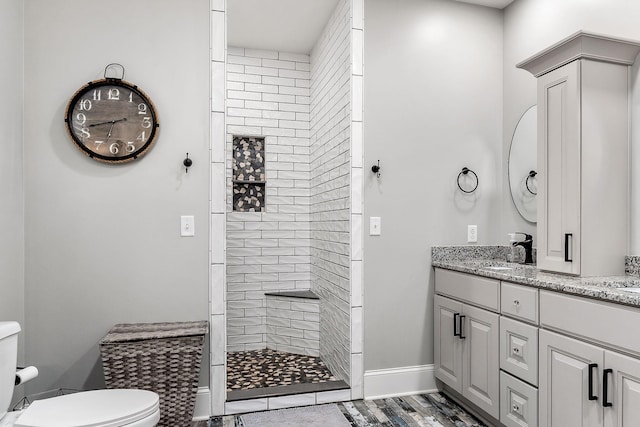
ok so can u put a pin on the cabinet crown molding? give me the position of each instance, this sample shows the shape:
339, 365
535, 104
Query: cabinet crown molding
580, 45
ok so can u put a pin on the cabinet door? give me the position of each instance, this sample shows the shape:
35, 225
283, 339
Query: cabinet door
623, 391
481, 359
559, 134
447, 347
564, 382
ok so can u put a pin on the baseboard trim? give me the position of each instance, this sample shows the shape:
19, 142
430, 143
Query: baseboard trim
384, 383
202, 410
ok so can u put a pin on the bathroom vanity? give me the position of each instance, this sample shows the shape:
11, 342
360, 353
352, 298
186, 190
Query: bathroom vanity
528, 348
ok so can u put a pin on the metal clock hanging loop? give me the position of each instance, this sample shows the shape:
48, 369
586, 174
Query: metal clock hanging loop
114, 65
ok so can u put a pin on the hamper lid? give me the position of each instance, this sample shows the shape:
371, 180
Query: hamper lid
123, 332
112, 408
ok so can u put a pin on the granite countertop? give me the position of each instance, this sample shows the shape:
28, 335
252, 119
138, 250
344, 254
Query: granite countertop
488, 261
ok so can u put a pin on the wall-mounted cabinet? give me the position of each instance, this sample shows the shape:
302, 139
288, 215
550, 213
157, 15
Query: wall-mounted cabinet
583, 153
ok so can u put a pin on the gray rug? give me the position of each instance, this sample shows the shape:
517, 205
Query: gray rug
308, 416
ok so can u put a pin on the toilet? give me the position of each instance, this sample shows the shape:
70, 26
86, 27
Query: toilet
96, 408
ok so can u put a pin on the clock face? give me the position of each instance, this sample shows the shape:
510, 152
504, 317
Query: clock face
112, 121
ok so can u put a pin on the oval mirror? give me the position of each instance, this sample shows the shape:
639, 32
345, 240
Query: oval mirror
522, 165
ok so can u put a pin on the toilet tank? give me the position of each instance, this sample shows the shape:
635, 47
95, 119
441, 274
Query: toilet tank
8, 359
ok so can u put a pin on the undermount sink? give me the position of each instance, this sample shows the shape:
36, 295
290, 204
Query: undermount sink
502, 266
634, 290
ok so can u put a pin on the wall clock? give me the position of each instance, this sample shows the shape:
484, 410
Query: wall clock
111, 120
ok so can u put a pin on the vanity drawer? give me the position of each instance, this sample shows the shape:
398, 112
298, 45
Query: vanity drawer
518, 402
475, 290
597, 321
519, 349
519, 301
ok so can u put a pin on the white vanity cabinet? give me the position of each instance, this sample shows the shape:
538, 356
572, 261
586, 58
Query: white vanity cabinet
532, 357
466, 337
585, 379
585, 385
583, 150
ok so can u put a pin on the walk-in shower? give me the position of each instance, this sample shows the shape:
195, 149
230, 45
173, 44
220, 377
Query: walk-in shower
289, 207
286, 198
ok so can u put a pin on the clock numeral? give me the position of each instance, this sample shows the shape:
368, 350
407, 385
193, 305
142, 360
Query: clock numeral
81, 118
84, 133
141, 137
130, 147
85, 104
142, 108
114, 94
98, 144
146, 122
131, 96
114, 148
97, 95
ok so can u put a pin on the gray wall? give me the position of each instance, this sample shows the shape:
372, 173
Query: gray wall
11, 201
433, 104
532, 25
102, 241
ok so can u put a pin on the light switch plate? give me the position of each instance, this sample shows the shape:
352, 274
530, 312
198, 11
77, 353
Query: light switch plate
375, 224
187, 226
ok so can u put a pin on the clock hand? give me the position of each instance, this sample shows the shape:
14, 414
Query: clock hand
124, 119
110, 129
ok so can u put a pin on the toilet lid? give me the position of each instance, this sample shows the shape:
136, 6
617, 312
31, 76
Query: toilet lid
97, 408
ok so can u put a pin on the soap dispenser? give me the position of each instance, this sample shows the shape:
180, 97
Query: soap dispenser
511, 257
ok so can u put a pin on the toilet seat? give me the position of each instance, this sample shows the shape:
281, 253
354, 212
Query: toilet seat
97, 408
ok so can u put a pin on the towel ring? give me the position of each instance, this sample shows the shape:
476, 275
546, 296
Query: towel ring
466, 171
532, 174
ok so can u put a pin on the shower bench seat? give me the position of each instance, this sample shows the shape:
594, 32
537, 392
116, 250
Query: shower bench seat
293, 322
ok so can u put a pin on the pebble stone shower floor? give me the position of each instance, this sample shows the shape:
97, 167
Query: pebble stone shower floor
423, 410
270, 368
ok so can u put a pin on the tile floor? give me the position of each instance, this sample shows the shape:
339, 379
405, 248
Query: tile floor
424, 410
270, 368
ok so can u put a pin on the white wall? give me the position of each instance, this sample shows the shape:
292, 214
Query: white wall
267, 95
11, 199
432, 105
330, 187
102, 241
532, 25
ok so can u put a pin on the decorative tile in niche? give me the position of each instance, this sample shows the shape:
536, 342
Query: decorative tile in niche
248, 197
248, 174
248, 158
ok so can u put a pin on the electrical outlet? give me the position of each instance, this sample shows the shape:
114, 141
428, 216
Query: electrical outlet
472, 233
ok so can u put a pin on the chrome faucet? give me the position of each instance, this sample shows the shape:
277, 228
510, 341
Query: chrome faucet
527, 244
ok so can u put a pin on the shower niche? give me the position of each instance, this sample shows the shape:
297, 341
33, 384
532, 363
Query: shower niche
293, 121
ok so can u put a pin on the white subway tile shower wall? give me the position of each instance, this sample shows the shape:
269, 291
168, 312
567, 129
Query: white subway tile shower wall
330, 187
357, 191
217, 246
267, 95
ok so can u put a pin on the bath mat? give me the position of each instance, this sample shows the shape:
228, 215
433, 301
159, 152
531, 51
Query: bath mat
308, 416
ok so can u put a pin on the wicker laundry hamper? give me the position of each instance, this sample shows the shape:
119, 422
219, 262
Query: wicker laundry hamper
161, 357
